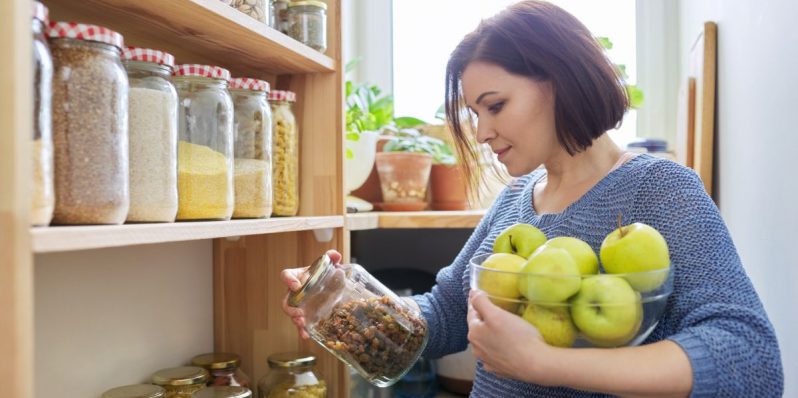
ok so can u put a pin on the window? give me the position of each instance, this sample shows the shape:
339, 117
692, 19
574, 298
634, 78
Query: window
425, 32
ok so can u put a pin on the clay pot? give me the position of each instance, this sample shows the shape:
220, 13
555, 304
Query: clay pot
403, 176
448, 187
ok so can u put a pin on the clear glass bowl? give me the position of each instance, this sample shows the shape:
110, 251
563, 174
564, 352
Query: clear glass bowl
602, 310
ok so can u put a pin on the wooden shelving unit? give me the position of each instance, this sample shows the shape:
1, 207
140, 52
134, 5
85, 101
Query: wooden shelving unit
414, 219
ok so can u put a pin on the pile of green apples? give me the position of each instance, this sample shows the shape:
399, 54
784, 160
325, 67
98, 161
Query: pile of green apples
555, 284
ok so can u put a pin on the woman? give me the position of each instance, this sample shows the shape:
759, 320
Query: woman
543, 93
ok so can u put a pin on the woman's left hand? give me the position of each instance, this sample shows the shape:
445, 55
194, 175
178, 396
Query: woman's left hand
506, 344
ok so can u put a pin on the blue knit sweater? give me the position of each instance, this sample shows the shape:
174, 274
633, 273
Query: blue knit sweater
714, 314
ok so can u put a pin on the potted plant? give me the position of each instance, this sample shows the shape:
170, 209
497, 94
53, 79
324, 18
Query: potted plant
447, 176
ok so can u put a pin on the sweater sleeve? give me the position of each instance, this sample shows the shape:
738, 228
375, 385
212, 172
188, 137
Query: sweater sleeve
714, 311
445, 306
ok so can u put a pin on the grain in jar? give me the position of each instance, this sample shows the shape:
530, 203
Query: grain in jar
291, 375
307, 23
136, 391
253, 141
205, 143
285, 154
181, 382
152, 116
257, 9
42, 195
224, 392
90, 130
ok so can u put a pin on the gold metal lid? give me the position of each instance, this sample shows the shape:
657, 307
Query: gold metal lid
316, 271
216, 360
135, 391
223, 392
314, 3
291, 360
180, 376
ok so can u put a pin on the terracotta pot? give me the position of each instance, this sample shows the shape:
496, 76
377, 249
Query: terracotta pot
448, 187
403, 176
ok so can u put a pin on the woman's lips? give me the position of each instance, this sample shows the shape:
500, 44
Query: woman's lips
502, 152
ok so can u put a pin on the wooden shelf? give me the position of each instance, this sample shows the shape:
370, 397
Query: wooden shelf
68, 238
198, 31
414, 219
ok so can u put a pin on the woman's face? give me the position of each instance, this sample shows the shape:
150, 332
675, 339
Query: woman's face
515, 115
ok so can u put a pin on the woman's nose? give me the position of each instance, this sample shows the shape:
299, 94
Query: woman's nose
484, 132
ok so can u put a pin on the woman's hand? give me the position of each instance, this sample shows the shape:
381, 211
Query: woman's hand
294, 278
506, 344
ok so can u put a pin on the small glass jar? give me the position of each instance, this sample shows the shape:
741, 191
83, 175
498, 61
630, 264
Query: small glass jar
285, 154
152, 127
307, 21
181, 382
223, 392
360, 321
205, 143
278, 16
136, 391
256, 9
291, 375
224, 369
253, 148
42, 195
90, 137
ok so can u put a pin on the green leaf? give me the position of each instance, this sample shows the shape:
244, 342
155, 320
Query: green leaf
408, 122
635, 96
605, 42
349, 154
353, 136
352, 64
622, 68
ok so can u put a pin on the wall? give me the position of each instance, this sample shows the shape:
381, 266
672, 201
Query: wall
112, 317
369, 35
756, 126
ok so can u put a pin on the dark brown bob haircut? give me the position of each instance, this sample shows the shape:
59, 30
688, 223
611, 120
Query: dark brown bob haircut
543, 42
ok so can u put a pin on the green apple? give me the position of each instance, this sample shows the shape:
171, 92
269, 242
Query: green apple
636, 248
583, 254
553, 322
607, 310
549, 276
520, 239
499, 279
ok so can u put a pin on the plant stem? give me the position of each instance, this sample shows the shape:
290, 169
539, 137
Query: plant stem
620, 225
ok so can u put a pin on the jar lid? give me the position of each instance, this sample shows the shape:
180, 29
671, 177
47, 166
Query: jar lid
135, 391
180, 376
314, 3
148, 55
315, 271
223, 392
291, 360
213, 72
216, 360
79, 31
41, 12
281, 95
246, 83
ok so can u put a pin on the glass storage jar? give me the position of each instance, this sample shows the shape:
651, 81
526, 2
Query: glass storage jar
360, 321
152, 128
307, 23
253, 148
136, 391
181, 382
223, 368
90, 137
223, 392
285, 154
291, 375
42, 195
256, 9
205, 143
278, 15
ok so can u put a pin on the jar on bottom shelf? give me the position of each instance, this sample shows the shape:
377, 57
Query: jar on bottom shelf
291, 375
135, 391
223, 392
181, 382
223, 368
360, 321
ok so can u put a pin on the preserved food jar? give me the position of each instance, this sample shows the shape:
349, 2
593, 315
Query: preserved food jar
152, 127
285, 154
223, 392
181, 382
205, 143
256, 9
253, 148
223, 368
291, 375
278, 16
307, 23
90, 137
136, 391
42, 195
360, 321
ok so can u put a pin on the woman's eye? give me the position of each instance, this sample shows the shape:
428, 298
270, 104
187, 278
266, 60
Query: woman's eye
495, 108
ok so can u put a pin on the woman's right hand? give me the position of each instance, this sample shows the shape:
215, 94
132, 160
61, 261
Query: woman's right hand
294, 278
